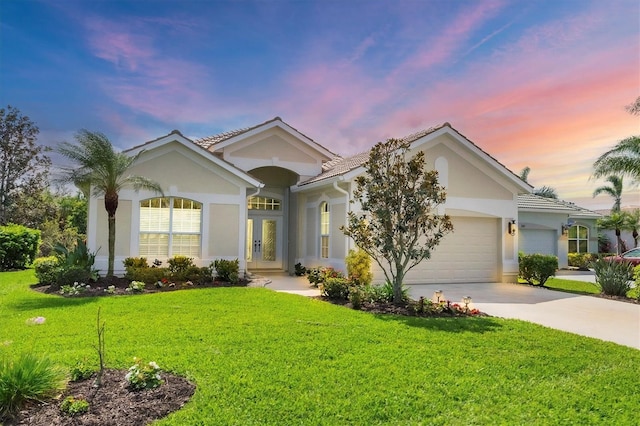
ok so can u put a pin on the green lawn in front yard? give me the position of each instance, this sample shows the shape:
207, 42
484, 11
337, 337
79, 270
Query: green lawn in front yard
261, 357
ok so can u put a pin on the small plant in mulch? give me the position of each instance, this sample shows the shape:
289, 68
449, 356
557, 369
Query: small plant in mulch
72, 406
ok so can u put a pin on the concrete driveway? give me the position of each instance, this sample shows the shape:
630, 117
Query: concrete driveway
609, 320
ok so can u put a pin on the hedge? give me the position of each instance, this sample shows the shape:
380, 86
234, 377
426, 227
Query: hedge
18, 246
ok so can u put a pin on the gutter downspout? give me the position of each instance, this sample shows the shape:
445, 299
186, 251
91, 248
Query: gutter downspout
348, 204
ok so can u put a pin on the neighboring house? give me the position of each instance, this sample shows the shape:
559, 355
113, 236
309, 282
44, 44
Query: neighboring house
272, 197
610, 234
551, 226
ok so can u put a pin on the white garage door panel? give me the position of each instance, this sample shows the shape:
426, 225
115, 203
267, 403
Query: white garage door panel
468, 255
537, 241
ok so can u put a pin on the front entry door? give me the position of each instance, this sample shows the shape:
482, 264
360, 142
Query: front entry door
264, 242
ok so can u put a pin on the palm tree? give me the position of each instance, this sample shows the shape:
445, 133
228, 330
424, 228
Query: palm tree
615, 190
545, 191
102, 171
633, 224
616, 221
622, 159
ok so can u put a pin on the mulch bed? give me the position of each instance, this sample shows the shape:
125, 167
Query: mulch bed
121, 284
112, 403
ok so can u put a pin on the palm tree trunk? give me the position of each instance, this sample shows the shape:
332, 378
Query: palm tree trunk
112, 244
111, 205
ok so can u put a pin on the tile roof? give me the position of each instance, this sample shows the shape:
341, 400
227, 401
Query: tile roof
209, 141
537, 203
339, 165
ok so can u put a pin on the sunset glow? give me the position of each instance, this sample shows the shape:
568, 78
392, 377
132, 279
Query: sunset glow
540, 84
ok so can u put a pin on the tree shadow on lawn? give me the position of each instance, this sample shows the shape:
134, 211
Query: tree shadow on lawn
44, 302
448, 324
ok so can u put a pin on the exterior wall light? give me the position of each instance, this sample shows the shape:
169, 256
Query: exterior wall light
437, 296
512, 227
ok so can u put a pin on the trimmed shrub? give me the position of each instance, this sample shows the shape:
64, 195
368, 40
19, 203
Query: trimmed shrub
359, 267
336, 288
581, 260
147, 275
227, 270
135, 262
537, 268
28, 378
613, 277
319, 275
178, 266
199, 275
71, 275
18, 246
47, 269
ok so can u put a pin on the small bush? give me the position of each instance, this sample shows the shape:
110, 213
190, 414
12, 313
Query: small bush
178, 266
74, 289
356, 296
81, 371
143, 375
359, 267
537, 268
135, 262
72, 275
198, 275
147, 275
136, 287
227, 270
47, 269
613, 277
18, 246
581, 260
336, 288
319, 275
29, 378
73, 406
300, 270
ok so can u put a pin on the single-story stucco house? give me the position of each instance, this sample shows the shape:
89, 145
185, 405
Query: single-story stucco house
271, 197
552, 226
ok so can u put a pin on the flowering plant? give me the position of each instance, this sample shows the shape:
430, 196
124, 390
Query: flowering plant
143, 375
111, 289
135, 286
75, 289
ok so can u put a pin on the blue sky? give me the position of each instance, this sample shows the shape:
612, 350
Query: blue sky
537, 83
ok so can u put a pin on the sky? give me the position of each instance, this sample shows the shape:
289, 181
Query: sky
542, 84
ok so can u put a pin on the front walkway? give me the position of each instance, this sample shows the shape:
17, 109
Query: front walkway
604, 319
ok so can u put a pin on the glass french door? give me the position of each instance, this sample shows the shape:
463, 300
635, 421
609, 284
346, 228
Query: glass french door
264, 242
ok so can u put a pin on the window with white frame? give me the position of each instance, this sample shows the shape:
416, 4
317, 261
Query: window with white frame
170, 226
325, 224
578, 239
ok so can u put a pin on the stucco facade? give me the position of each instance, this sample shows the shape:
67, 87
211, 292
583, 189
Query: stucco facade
272, 197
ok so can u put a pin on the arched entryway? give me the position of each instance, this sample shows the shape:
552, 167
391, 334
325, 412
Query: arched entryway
269, 220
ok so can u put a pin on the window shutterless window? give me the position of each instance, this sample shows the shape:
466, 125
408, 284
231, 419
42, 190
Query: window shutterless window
325, 226
170, 226
578, 239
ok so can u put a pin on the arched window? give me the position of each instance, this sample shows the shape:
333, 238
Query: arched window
325, 226
170, 226
578, 239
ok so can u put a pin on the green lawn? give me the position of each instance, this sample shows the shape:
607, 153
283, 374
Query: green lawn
261, 357
571, 286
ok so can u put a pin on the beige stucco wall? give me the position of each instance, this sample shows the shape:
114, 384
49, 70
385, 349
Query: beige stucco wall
123, 229
223, 230
175, 165
272, 143
466, 178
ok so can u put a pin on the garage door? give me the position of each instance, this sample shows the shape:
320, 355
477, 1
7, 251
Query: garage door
468, 255
537, 241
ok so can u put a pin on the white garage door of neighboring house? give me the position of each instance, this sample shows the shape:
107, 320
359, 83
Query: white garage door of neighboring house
541, 241
468, 255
